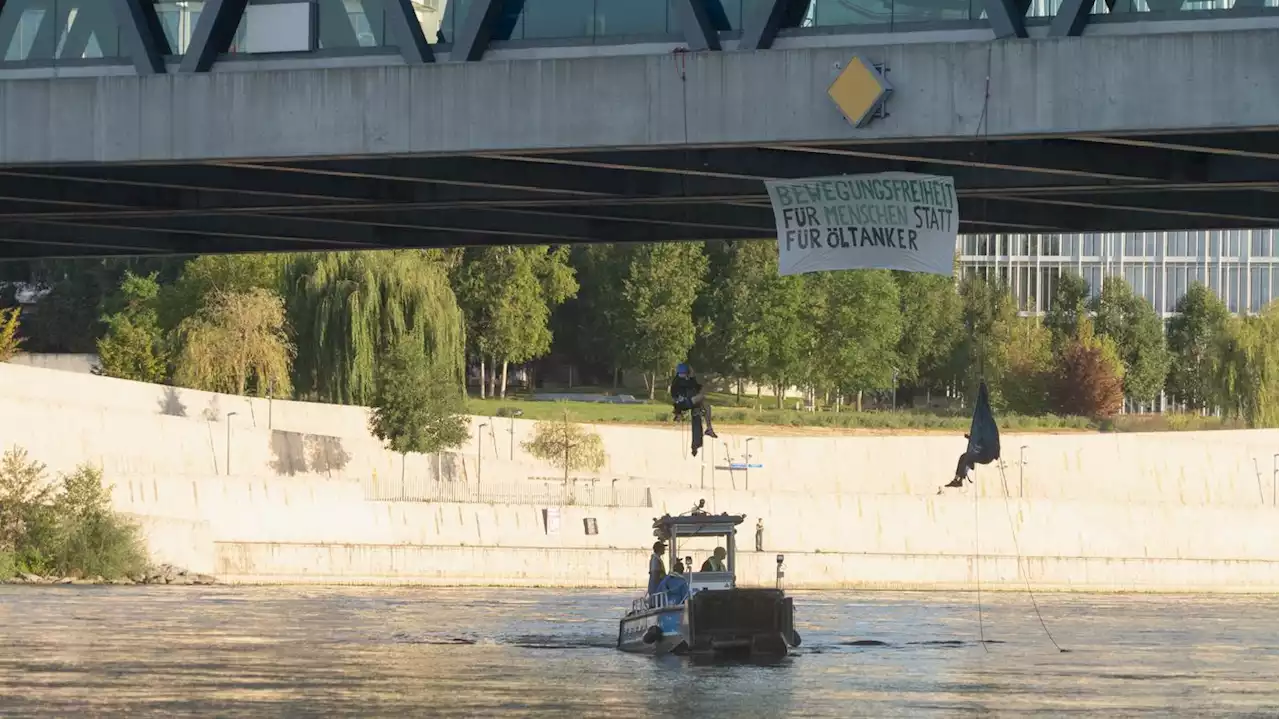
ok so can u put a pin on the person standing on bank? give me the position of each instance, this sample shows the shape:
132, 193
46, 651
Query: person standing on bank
760, 534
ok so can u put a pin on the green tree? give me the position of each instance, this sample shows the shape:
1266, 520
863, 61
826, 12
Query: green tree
1090, 374
349, 308
987, 309
418, 406
1024, 357
1131, 321
858, 325
507, 295
1245, 367
237, 342
134, 345
932, 326
1193, 343
566, 445
73, 297
763, 332
661, 285
206, 275
591, 327
10, 340
1067, 305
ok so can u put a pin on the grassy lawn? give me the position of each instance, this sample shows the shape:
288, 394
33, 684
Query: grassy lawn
914, 421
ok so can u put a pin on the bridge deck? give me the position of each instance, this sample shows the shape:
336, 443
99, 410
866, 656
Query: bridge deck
1169, 131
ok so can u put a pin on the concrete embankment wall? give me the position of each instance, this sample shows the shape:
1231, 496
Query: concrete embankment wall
1155, 512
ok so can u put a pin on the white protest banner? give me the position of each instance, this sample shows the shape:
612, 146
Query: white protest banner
888, 221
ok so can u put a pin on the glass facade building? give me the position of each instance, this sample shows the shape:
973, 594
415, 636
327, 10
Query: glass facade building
1240, 266
69, 31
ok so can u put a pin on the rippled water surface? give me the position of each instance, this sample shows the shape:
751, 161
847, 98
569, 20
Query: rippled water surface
225, 651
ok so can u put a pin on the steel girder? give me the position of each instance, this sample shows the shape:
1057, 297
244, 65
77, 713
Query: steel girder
143, 34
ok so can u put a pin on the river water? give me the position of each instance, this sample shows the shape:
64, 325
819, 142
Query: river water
404, 652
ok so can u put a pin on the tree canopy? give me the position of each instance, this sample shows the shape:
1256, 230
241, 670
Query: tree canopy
418, 406
566, 445
236, 343
1201, 318
1131, 321
134, 345
659, 289
351, 307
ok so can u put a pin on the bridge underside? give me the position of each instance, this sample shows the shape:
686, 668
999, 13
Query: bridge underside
1079, 184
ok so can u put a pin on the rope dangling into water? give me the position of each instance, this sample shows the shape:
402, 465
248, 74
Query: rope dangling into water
1018, 559
977, 568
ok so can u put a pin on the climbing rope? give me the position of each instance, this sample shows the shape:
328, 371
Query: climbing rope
1018, 558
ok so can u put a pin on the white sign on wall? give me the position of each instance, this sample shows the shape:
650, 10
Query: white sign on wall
890, 221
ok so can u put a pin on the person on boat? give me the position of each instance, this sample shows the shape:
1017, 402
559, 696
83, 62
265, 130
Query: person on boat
715, 563
687, 396
657, 569
678, 569
675, 586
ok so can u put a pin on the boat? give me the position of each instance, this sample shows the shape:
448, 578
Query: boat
707, 613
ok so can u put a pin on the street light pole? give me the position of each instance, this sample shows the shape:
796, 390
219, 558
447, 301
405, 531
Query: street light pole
480, 452
229, 416
748, 463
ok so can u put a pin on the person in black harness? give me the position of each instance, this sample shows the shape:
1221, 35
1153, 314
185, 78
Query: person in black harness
983, 441
687, 396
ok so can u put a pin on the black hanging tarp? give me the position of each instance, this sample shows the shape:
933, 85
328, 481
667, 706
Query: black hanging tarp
984, 436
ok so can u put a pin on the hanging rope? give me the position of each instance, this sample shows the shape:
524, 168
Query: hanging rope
1018, 559
977, 568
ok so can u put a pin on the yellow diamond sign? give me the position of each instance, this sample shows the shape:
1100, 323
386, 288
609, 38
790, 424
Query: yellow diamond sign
859, 91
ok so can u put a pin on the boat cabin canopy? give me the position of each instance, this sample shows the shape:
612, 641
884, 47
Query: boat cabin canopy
672, 529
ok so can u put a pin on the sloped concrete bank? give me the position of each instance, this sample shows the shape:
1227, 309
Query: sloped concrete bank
283, 492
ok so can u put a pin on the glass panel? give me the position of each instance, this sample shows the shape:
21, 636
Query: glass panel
1168, 6
45, 30
831, 13
179, 22
349, 23
634, 17
727, 14
555, 19
455, 13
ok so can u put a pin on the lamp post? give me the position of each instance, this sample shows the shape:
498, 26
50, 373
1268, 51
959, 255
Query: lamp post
1022, 463
480, 452
748, 462
894, 400
229, 416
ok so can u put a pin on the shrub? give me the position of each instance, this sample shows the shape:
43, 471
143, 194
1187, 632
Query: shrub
91, 538
68, 528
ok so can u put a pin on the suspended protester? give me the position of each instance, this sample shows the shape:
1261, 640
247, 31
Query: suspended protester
984, 440
687, 396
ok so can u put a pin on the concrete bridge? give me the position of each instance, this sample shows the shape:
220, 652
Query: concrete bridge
261, 128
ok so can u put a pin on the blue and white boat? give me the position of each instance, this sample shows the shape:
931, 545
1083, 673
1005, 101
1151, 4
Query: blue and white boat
706, 612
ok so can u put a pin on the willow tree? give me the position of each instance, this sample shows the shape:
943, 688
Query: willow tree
348, 308
238, 342
1245, 364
